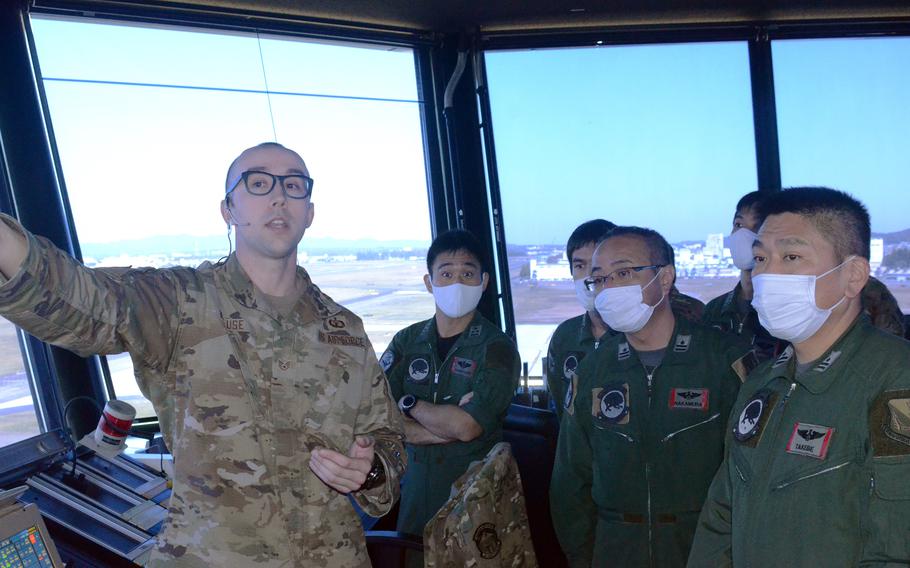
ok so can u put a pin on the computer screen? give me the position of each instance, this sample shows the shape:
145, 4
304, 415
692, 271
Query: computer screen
25, 549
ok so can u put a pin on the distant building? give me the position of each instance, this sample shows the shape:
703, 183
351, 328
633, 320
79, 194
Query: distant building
876, 253
714, 246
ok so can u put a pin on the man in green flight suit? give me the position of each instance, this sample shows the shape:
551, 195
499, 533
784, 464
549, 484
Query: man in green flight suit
578, 337
644, 431
733, 312
818, 445
454, 376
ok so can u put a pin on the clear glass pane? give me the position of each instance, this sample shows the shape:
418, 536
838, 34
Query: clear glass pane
145, 165
843, 119
659, 136
18, 420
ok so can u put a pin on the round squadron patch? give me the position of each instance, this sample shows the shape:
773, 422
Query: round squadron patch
750, 418
569, 366
613, 408
487, 541
419, 370
386, 360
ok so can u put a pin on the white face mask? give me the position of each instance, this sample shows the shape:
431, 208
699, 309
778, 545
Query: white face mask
456, 300
786, 304
741, 248
584, 296
623, 308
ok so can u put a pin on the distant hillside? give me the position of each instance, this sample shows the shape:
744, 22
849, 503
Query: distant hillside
169, 245
893, 238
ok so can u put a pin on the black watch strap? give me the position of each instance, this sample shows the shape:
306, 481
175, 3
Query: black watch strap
376, 476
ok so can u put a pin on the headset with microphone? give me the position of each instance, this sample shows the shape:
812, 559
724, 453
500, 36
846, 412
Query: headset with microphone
231, 213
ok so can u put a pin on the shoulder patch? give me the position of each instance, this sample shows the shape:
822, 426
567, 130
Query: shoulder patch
682, 343
569, 402
387, 360
745, 365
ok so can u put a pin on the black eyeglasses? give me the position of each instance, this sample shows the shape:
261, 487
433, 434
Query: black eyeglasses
295, 186
621, 276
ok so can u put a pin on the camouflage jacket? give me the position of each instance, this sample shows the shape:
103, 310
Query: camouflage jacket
484, 523
242, 393
573, 341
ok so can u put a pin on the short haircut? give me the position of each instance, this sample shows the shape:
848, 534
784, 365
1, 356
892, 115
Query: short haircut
841, 219
454, 241
752, 200
588, 233
227, 178
659, 250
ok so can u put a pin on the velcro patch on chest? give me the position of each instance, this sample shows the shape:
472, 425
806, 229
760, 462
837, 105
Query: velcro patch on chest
689, 399
610, 405
750, 424
418, 370
889, 424
463, 367
235, 324
810, 440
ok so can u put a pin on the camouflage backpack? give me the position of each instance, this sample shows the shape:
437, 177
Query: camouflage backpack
484, 523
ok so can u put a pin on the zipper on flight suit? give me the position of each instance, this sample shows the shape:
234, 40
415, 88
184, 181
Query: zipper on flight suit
768, 463
650, 385
439, 368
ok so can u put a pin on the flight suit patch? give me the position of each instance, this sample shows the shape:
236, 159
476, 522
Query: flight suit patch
689, 399
386, 361
623, 352
751, 422
418, 370
463, 367
810, 440
571, 364
889, 424
611, 404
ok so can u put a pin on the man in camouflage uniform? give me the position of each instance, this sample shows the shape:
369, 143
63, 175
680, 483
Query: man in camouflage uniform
485, 523
454, 376
733, 312
818, 444
643, 432
268, 392
578, 337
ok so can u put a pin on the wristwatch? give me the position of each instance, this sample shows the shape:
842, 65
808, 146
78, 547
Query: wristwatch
376, 476
406, 404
